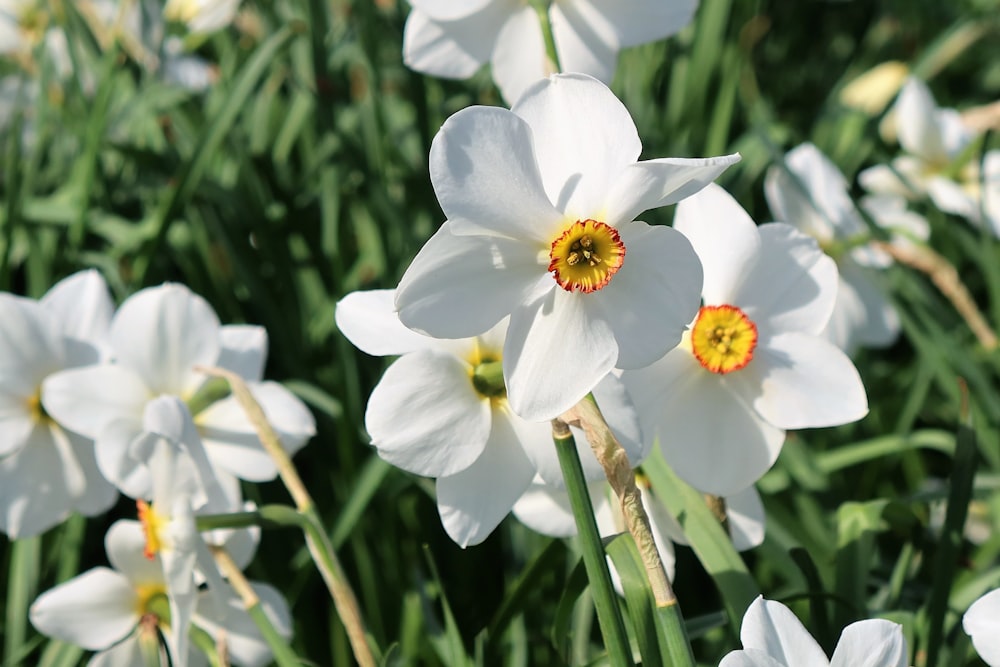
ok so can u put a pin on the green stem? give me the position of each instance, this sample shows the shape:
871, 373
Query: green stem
542, 9
25, 556
605, 598
675, 632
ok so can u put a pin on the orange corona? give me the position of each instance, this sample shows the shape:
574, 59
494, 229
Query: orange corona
586, 256
723, 338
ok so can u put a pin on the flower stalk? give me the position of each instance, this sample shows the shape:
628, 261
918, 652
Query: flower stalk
318, 542
542, 9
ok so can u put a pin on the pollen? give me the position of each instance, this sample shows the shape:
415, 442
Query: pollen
152, 526
586, 256
723, 338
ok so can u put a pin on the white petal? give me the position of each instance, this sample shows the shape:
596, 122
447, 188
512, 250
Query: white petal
558, 348
800, 381
585, 138
725, 238
981, 623
126, 653
16, 424
661, 182
448, 10
750, 658
793, 285
583, 45
916, 122
92, 610
246, 646
641, 21
244, 350
369, 321
87, 399
474, 501
546, 510
460, 286
31, 342
125, 542
882, 179
949, 197
871, 643
519, 59
771, 627
708, 433
453, 50
483, 169
654, 296
82, 305
162, 333
862, 314
425, 416
113, 447
890, 213
745, 512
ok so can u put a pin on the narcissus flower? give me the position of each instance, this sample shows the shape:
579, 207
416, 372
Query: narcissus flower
201, 15
441, 411
982, 623
935, 163
753, 363
811, 194
773, 637
452, 40
46, 470
541, 202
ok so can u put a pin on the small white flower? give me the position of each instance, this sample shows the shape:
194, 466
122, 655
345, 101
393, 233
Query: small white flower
982, 623
773, 637
453, 39
541, 203
436, 412
46, 470
812, 196
753, 363
202, 15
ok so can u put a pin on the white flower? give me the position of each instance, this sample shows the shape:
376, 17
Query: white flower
753, 363
933, 139
440, 411
982, 623
773, 637
540, 203
202, 15
812, 196
46, 470
453, 39
158, 336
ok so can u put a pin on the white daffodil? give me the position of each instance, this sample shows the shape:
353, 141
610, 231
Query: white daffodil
453, 40
541, 203
812, 196
773, 637
201, 15
753, 363
158, 338
46, 470
982, 623
441, 411
112, 611
934, 140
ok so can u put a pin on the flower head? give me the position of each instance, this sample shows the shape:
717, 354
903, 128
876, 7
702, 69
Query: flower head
541, 203
753, 363
773, 637
453, 40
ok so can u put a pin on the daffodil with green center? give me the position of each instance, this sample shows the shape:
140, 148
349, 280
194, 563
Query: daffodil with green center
541, 203
441, 410
753, 363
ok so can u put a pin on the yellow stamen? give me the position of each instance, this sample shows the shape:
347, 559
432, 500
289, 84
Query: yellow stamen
723, 338
152, 525
586, 255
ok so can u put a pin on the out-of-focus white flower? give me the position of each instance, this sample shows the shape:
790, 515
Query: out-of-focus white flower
773, 637
159, 336
441, 411
453, 40
933, 139
201, 15
541, 204
23, 24
753, 363
982, 623
812, 196
46, 470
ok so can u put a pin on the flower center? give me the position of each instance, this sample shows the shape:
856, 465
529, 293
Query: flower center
586, 255
723, 338
152, 525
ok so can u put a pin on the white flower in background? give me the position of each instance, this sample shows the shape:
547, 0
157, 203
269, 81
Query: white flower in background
933, 139
202, 15
46, 470
753, 362
773, 637
158, 336
541, 203
23, 24
982, 623
112, 610
441, 411
812, 196
453, 39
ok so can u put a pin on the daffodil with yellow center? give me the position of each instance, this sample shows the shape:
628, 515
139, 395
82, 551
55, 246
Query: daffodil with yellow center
768, 293
586, 256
